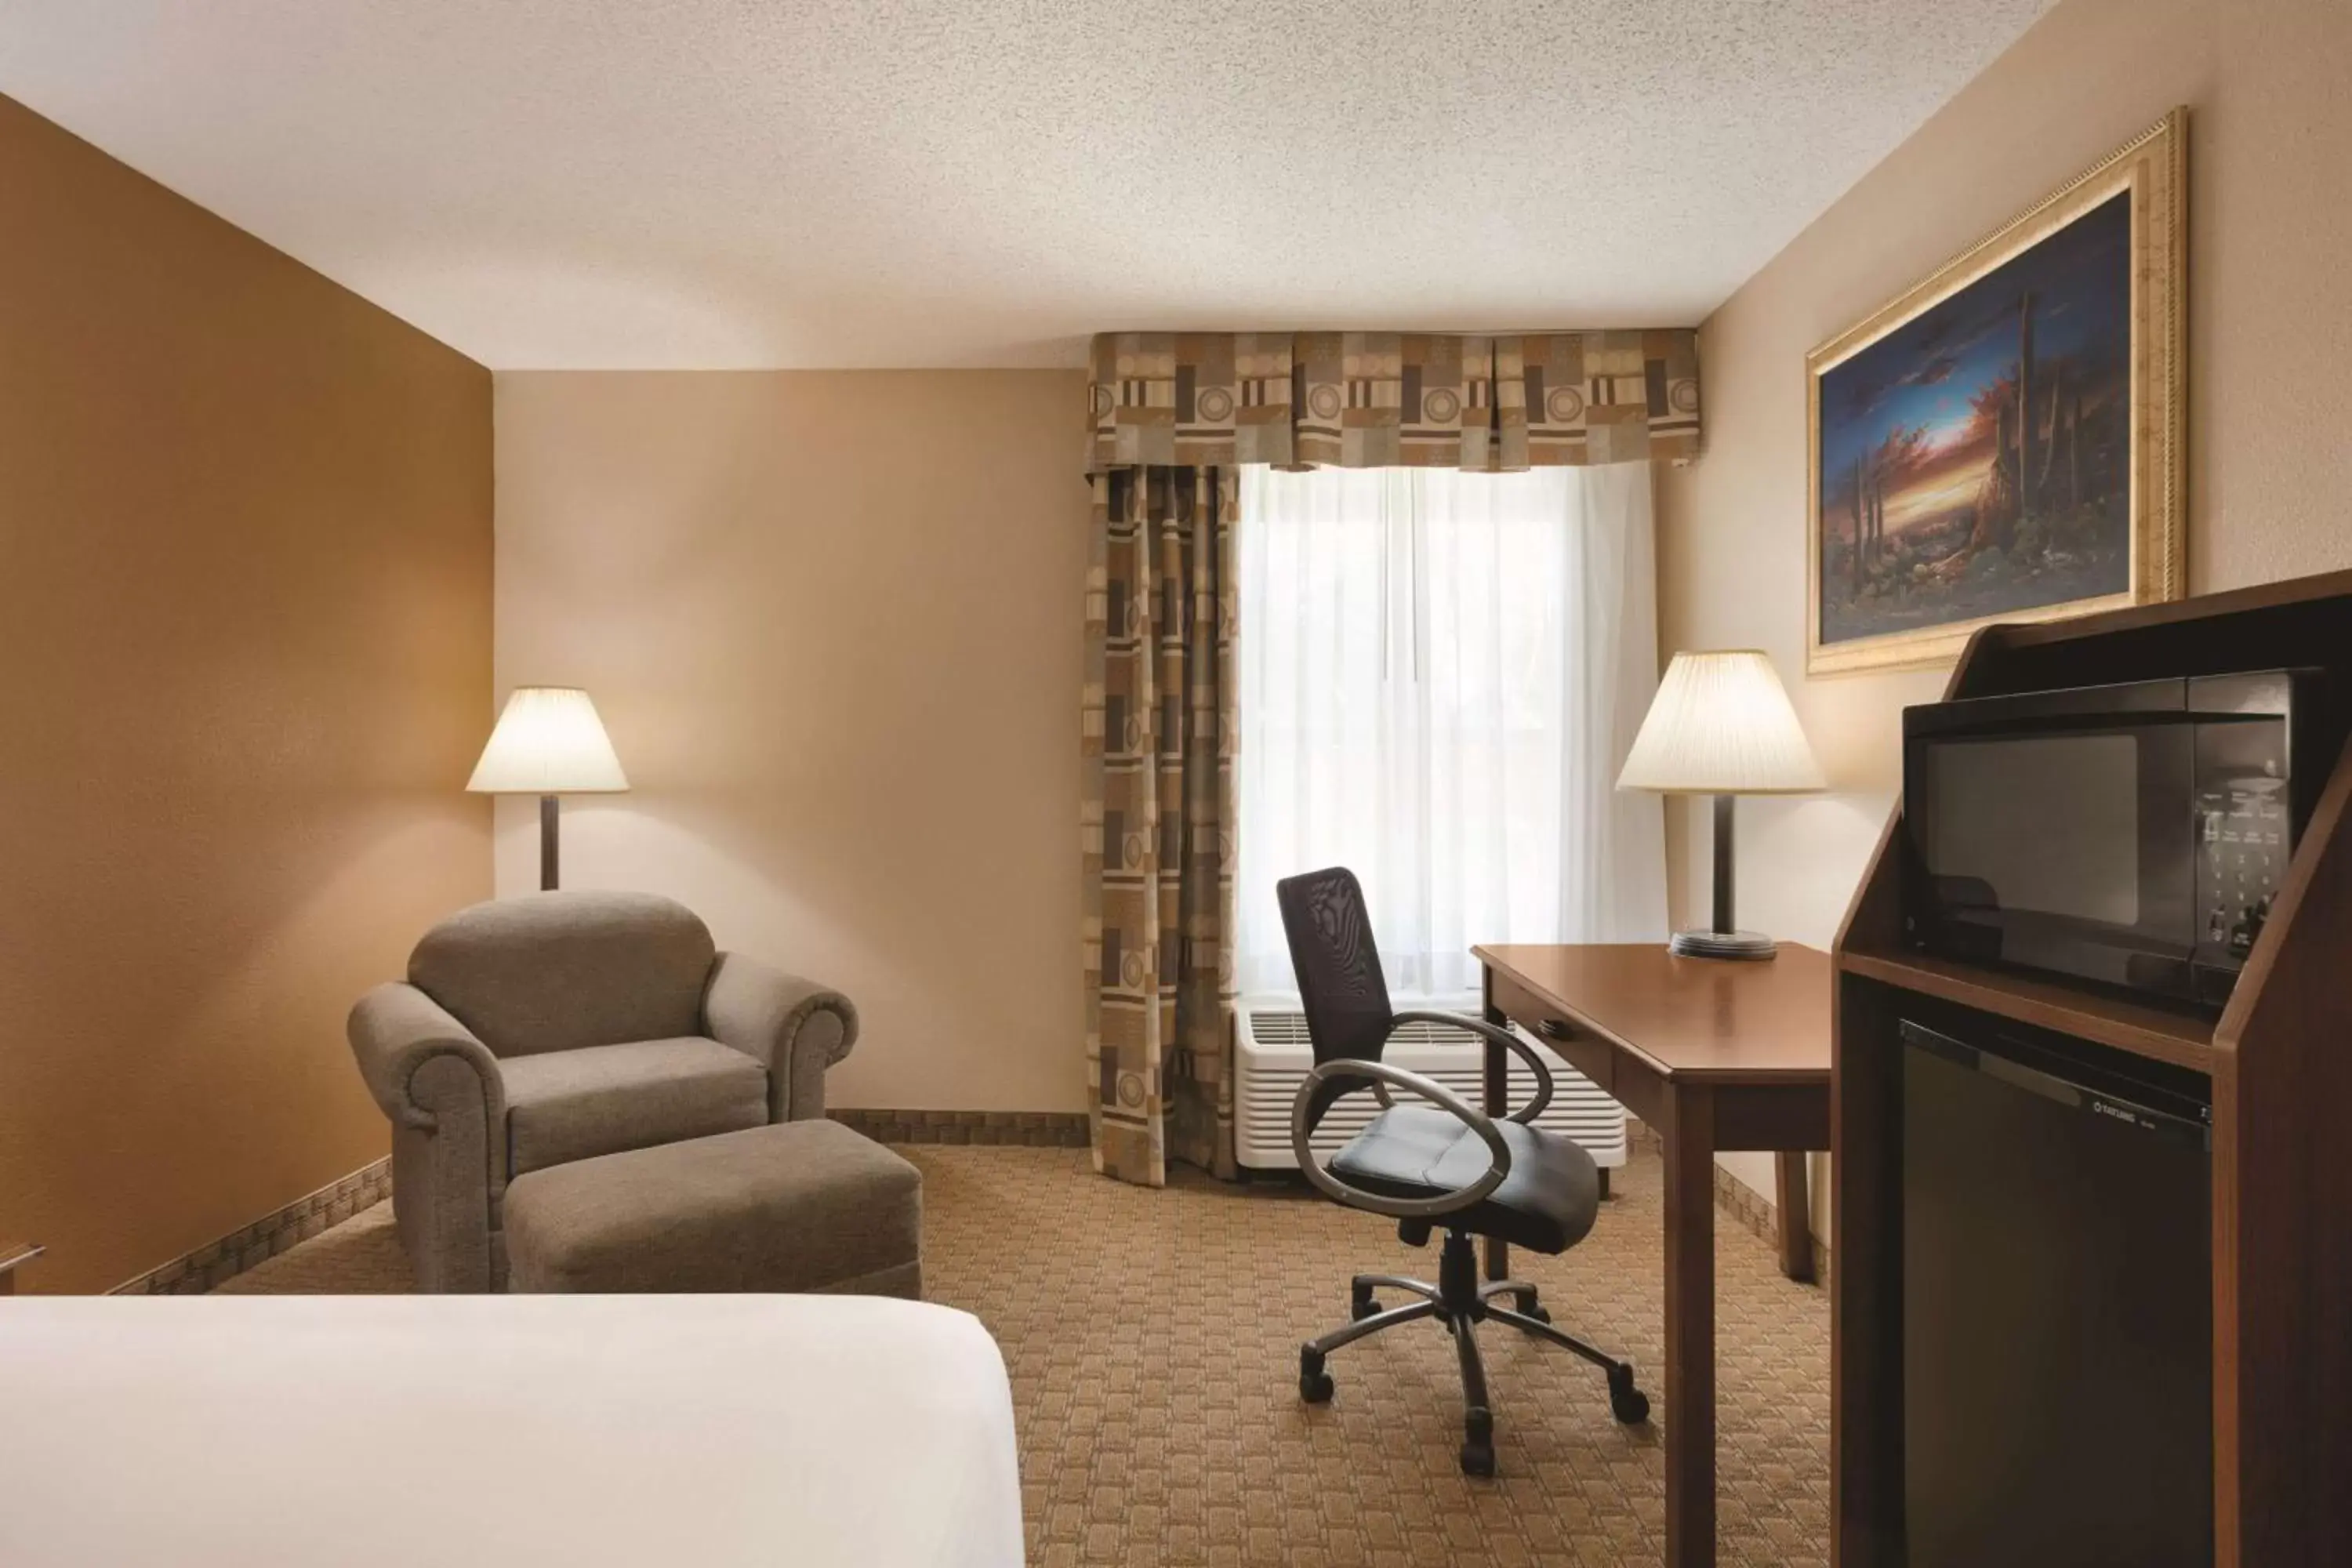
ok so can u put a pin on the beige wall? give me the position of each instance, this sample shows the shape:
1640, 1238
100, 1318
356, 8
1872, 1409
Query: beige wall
244, 620
832, 621
2270, 301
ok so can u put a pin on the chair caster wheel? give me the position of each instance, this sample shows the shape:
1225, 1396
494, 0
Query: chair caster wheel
1363, 1305
1478, 1444
1531, 1307
1314, 1383
1627, 1403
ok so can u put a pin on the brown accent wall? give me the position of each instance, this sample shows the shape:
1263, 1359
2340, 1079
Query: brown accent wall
832, 621
245, 657
2269, 302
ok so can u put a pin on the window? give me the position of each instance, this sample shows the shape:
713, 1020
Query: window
1440, 674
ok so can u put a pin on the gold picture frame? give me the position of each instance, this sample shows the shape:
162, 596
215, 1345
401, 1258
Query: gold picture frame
2022, 328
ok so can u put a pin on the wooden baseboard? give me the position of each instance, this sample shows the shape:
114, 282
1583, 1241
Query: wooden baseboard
1742, 1203
1754, 1212
207, 1266
1032, 1128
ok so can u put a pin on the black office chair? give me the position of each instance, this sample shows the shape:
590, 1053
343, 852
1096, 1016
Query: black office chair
1422, 1167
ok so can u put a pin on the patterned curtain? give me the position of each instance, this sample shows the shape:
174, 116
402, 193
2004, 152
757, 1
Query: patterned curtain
1386, 400
1157, 825
1171, 418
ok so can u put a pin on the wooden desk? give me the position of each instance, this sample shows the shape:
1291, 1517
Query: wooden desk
1713, 1054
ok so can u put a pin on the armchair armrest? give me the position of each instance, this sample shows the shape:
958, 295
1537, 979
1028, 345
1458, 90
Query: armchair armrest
398, 1033
1501, 1035
447, 1102
794, 1028
1381, 1074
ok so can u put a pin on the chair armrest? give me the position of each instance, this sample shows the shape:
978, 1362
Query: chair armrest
1436, 1093
396, 1031
794, 1028
1501, 1035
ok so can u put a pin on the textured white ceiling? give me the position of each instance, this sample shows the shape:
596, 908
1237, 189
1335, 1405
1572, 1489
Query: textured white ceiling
840, 183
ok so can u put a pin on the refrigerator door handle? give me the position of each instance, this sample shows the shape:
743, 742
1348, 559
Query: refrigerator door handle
2062, 1091
2032, 1079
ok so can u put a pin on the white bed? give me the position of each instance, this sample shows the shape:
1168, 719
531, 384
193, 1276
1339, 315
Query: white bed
395, 1432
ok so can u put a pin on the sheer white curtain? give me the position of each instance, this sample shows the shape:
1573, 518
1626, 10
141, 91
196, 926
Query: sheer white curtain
1440, 675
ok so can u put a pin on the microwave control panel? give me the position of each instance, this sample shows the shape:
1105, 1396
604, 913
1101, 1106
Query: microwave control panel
2244, 836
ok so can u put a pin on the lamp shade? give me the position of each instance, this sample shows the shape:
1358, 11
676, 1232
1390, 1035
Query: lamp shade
548, 740
1721, 725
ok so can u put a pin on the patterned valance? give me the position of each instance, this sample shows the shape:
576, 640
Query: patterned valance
1380, 400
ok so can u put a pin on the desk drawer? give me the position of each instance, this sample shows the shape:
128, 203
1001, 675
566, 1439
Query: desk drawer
1595, 1058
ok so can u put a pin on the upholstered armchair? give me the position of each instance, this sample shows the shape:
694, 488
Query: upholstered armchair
557, 1027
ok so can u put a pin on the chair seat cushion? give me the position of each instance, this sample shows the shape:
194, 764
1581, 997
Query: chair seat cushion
564, 1106
1547, 1202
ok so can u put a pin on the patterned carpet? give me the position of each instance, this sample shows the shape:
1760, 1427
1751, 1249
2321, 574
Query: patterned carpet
1152, 1339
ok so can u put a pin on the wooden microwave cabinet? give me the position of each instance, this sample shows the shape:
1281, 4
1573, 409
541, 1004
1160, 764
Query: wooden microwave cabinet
2280, 1058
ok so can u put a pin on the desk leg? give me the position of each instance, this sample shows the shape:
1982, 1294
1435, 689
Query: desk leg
1497, 1104
1796, 1217
1689, 1144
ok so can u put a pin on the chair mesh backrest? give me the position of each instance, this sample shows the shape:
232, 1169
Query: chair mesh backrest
1341, 987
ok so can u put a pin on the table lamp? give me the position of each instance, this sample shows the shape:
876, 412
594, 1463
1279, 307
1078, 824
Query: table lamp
1721, 725
549, 742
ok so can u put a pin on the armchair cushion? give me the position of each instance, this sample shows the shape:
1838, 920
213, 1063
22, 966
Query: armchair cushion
555, 972
564, 1106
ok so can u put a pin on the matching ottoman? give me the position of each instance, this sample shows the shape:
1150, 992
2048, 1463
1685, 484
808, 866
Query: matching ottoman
794, 1206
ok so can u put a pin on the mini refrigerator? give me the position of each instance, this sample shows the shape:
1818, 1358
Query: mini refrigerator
2057, 1302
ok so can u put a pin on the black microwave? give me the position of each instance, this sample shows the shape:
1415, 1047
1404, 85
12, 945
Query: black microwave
2133, 835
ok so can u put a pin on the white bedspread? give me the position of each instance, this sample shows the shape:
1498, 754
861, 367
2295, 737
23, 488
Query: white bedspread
408, 1432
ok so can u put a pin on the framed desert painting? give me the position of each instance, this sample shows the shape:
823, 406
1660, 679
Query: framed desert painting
2003, 441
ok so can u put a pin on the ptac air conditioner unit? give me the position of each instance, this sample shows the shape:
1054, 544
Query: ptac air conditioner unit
1273, 1057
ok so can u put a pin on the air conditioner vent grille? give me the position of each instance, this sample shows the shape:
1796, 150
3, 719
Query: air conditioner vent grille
1274, 1056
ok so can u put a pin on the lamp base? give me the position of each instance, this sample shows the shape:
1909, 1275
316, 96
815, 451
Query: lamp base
1722, 945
